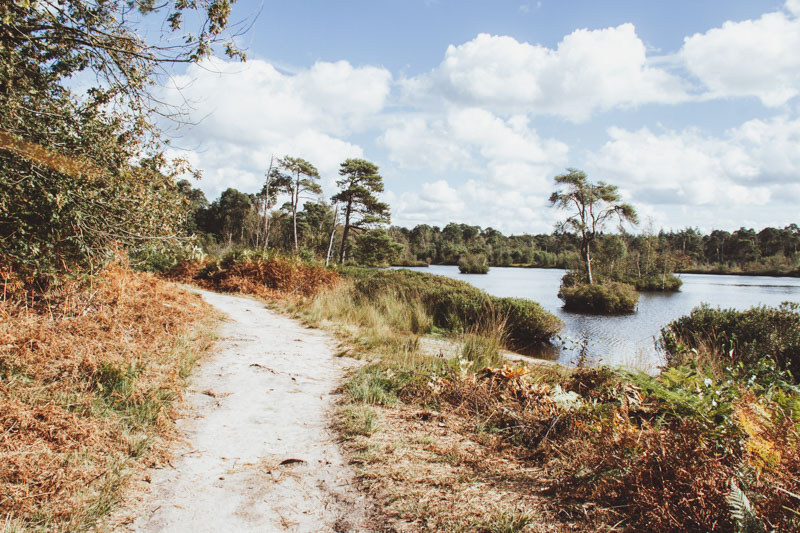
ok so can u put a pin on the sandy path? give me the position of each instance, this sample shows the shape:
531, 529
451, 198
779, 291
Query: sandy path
263, 398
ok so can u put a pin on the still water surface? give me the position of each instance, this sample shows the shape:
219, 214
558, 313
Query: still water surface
626, 339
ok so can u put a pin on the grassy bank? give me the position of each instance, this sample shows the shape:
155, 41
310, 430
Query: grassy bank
734, 271
457, 441
457, 306
89, 371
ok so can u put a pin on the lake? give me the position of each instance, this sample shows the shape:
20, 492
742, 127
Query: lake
627, 340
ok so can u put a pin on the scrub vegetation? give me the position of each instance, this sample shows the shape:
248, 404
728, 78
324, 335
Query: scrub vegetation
89, 372
473, 264
446, 433
709, 444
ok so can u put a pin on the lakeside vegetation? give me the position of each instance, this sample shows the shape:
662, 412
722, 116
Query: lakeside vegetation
708, 444
647, 259
446, 433
473, 264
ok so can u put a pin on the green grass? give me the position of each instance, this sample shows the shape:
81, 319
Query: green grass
359, 419
454, 305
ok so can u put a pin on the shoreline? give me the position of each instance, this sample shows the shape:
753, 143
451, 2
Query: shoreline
715, 272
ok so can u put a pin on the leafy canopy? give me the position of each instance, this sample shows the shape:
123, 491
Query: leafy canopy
83, 173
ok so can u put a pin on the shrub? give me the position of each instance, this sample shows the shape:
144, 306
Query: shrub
668, 283
605, 298
473, 264
456, 305
733, 336
259, 273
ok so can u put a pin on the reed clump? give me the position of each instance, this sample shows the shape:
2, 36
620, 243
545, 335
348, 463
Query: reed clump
88, 372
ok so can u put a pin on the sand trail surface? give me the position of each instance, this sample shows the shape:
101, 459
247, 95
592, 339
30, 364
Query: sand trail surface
258, 452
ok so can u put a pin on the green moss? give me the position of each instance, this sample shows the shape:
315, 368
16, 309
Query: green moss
606, 298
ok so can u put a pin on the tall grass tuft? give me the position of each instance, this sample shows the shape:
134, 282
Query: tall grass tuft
483, 343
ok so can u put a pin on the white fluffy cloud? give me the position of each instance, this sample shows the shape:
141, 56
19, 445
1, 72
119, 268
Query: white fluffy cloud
743, 167
749, 58
590, 70
508, 164
244, 112
465, 138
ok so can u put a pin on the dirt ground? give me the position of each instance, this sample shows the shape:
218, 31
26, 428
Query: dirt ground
258, 453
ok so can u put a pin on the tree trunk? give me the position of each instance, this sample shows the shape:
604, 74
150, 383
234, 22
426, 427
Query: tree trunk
295, 199
587, 259
265, 227
333, 233
346, 231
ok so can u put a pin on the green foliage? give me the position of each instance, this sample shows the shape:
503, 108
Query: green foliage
592, 206
70, 192
473, 264
375, 385
456, 305
733, 336
605, 298
376, 248
666, 283
358, 190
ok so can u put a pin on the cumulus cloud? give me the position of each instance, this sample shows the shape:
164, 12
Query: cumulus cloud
508, 164
244, 112
743, 167
749, 58
467, 139
589, 71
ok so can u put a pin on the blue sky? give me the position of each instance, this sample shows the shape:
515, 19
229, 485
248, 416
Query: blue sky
471, 107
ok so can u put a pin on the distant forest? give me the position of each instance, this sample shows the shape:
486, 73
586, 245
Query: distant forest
236, 219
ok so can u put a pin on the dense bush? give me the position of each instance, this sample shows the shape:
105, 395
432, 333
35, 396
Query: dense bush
737, 336
668, 283
605, 298
457, 305
473, 264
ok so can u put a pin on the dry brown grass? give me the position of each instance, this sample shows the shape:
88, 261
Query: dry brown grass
427, 471
609, 467
266, 277
88, 371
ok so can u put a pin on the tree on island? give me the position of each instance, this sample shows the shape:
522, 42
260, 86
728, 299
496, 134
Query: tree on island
300, 177
359, 187
593, 205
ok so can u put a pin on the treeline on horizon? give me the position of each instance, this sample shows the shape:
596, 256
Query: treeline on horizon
236, 220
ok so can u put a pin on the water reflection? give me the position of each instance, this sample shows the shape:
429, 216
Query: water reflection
626, 339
